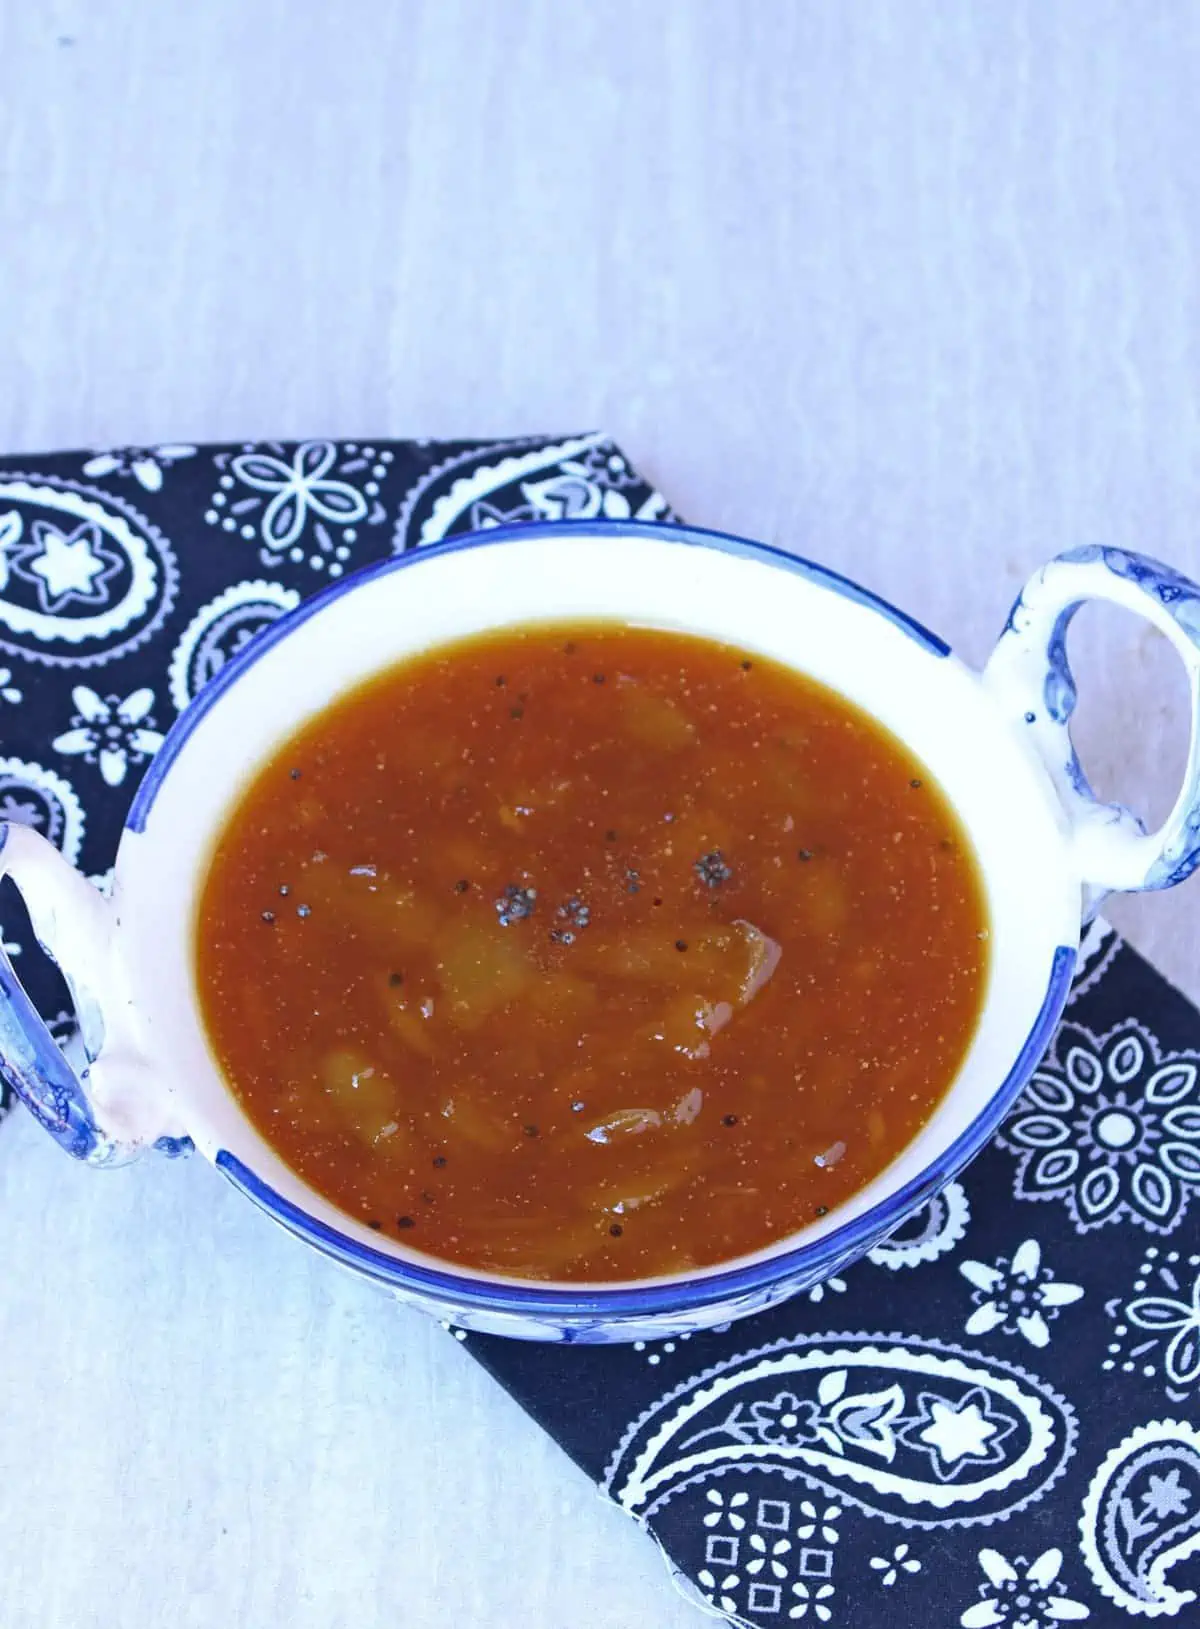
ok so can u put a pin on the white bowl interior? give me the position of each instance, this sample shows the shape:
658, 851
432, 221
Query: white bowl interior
932, 702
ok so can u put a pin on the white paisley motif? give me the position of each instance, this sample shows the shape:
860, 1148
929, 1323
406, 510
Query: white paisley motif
83, 576
900, 1427
1141, 1517
928, 1232
221, 630
582, 478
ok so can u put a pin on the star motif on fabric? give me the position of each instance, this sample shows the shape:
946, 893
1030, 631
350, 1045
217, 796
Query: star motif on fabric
1166, 1497
957, 1434
66, 567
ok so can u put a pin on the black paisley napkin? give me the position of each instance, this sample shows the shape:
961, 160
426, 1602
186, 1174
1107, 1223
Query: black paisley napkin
994, 1419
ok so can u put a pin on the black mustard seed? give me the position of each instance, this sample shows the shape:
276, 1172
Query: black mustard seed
515, 904
712, 869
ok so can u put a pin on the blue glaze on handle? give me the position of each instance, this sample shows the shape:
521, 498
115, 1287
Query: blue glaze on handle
74, 924
34, 1066
1031, 676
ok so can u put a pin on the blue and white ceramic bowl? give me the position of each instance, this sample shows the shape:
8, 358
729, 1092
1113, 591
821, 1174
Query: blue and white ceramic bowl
997, 742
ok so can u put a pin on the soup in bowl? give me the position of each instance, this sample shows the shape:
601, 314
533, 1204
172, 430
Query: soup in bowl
594, 931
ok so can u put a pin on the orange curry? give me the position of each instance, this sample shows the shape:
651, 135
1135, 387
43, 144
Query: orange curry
590, 952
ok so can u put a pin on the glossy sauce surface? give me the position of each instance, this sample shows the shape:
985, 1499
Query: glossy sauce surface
590, 952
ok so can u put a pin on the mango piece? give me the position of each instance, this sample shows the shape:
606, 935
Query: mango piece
364, 1095
656, 721
567, 1000
411, 1021
481, 968
391, 919
482, 1127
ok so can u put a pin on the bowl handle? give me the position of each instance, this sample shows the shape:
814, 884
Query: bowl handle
1031, 678
107, 1112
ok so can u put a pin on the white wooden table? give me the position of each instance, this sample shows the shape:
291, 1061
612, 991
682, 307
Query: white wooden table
910, 286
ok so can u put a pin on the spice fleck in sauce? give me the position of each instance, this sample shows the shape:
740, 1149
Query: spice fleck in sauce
590, 952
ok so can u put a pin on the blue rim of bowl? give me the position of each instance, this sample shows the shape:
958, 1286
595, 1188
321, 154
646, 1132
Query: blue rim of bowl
680, 1295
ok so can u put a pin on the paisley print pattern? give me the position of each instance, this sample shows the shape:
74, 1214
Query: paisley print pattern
928, 1233
905, 1430
220, 630
84, 577
584, 478
37, 797
1141, 1518
992, 1419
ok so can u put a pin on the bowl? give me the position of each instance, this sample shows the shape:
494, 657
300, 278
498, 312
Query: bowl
997, 741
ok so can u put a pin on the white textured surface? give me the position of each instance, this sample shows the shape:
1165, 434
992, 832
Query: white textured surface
910, 286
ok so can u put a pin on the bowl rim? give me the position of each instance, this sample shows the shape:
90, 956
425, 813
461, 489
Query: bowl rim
575, 1308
